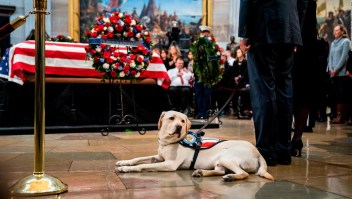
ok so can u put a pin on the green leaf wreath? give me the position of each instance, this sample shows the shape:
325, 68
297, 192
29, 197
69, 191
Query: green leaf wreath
207, 62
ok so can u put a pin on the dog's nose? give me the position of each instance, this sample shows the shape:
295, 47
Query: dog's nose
178, 128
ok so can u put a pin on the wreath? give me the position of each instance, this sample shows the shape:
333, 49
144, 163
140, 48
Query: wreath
119, 46
62, 38
207, 62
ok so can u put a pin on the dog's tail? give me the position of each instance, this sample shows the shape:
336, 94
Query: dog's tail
262, 171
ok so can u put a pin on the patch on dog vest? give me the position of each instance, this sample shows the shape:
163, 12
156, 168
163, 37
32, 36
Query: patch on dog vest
195, 141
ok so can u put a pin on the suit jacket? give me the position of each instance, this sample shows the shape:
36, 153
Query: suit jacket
272, 21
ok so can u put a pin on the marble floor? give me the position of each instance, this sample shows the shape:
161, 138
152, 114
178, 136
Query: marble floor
85, 162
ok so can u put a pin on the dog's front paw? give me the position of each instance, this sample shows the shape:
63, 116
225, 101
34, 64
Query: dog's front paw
197, 173
123, 163
127, 169
122, 169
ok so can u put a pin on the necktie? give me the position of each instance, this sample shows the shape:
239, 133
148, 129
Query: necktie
182, 82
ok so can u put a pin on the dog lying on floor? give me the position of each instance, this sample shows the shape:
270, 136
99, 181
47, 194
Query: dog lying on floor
234, 158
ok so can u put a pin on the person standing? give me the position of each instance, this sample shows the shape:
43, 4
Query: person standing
305, 79
270, 30
337, 60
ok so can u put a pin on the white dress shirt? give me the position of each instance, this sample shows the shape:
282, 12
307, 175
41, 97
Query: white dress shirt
177, 80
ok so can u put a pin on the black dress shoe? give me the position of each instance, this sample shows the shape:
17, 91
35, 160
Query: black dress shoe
284, 157
270, 158
296, 148
270, 161
308, 129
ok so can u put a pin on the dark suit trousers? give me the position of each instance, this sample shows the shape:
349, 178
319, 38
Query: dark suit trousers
269, 68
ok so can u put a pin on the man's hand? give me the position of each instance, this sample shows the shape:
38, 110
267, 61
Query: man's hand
243, 45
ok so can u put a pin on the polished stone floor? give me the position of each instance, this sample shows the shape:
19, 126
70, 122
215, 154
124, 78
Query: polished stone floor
85, 161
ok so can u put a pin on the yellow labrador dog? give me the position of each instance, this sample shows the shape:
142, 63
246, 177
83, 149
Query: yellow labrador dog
234, 158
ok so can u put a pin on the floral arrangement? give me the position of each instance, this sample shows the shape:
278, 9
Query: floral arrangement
62, 38
207, 62
125, 47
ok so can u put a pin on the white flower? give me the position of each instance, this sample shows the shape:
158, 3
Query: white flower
138, 74
105, 28
133, 64
125, 34
133, 22
122, 23
113, 58
131, 29
146, 33
138, 35
120, 15
106, 19
218, 53
98, 49
122, 74
110, 29
106, 66
141, 56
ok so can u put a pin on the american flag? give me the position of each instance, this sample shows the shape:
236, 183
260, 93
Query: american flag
4, 65
67, 59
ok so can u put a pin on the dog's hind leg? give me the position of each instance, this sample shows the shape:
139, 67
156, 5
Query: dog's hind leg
218, 171
238, 174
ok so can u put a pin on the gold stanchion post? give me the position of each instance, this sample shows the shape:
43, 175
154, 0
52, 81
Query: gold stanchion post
39, 183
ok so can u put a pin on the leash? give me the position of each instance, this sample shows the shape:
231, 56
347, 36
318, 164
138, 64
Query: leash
200, 132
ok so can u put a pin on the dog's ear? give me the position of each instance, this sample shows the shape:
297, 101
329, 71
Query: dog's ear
161, 119
188, 124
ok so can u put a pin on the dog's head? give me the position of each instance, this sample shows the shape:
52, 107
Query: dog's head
173, 126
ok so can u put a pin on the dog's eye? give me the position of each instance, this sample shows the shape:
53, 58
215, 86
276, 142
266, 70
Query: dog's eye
171, 118
183, 121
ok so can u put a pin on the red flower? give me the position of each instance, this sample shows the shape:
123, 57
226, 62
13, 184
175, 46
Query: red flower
117, 54
145, 52
133, 72
217, 47
147, 40
128, 20
109, 60
139, 28
119, 28
88, 33
87, 48
132, 57
130, 34
123, 59
113, 73
106, 54
96, 60
113, 19
92, 51
107, 24
140, 59
101, 27
126, 68
117, 65
140, 48
212, 39
94, 34
110, 35
103, 46
104, 36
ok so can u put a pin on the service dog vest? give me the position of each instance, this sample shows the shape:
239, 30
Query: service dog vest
196, 142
